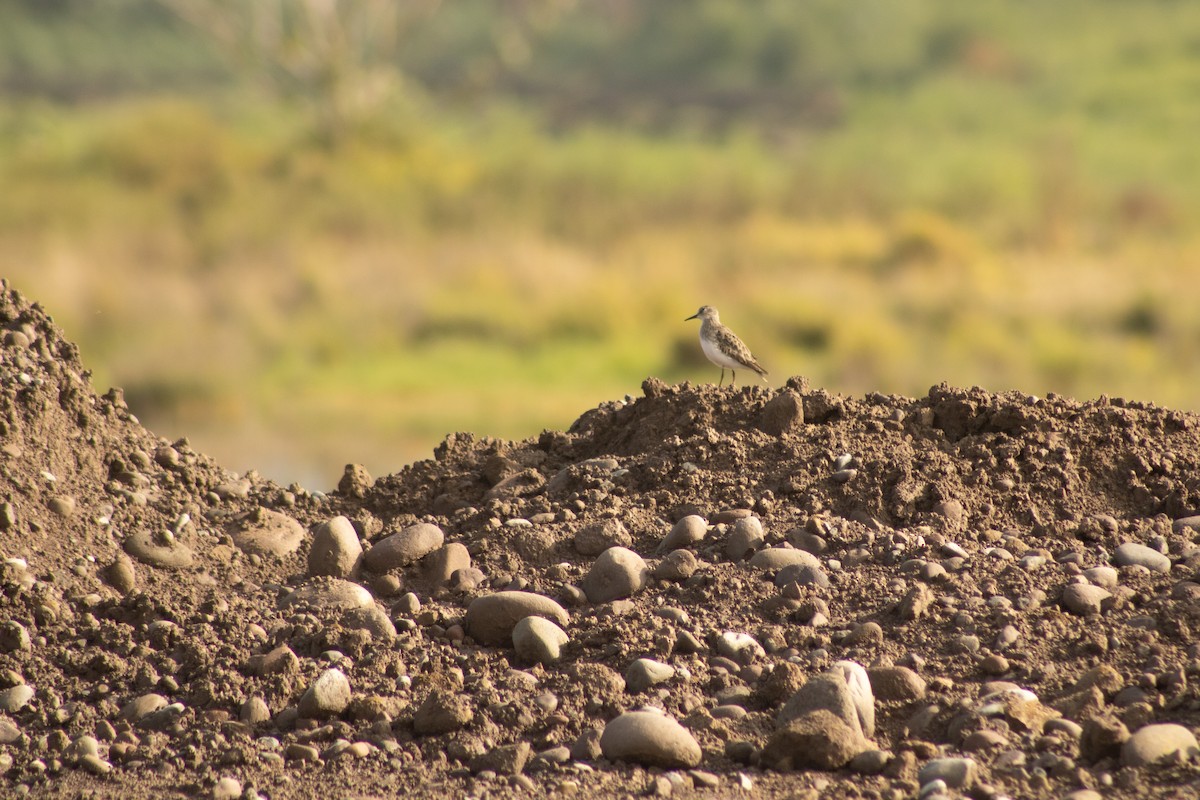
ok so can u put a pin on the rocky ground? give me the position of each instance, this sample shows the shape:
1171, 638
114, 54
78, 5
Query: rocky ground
700, 592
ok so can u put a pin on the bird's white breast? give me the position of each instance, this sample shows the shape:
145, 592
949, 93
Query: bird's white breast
716, 356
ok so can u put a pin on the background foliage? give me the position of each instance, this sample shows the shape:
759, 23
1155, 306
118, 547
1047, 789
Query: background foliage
315, 242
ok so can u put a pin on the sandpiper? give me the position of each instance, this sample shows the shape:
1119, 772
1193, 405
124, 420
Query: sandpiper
723, 347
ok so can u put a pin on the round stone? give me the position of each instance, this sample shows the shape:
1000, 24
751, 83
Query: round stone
651, 739
227, 789
677, 565
594, 539
896, 683
746, 537
645, 673
441, 564
771, 559
1084, 599
372, 619
141, 707
1132, 554
14, 637
335, 549
538, 640
1156, 742
15, 698
264, 532
491, 618
957, 773
618, 573
157, 551
404, 547
121, 575
818, 739
324, 593
328, 695
686, 532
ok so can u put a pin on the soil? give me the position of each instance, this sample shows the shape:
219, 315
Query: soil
948, 528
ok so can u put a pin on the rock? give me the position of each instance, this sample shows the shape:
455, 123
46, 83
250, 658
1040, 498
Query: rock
164, 718
651, 739
538, 640
802, 575
442, 712
860, 693
783, 414
63, 505
227, 789
825, 692
158, 550
915, 603
741, 647
441, 564
645, 673
9, 731
95, 764
372, 619
1102, 677
814, 740
1084, 599
618, 573
1132, 554
1102, 737
1156, 742
264, 532
1104, 577
783, 681
676, 566
957, 773
594, 539
14, 637
896, 683
983, 740
327, 593
746, 537
954, 514
505, 760
1183, 524
771, 559
327, 696
870, 762
335, 549
868, 633
491, 618
686, 532
14, 698
586, 746
404, 547
301, 752
120, 574
280, 661
233, 490
254, 711
355, 481
141, 707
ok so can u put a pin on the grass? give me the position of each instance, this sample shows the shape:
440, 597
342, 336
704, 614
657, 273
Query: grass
1021, 216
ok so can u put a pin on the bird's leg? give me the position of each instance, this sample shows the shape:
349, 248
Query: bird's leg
733, 377
722, 377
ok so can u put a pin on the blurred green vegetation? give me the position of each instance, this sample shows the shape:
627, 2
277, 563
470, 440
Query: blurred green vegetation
878, 195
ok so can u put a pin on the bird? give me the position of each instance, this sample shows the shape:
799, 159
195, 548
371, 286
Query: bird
723, 347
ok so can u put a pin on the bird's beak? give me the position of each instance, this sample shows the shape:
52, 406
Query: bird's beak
693, 316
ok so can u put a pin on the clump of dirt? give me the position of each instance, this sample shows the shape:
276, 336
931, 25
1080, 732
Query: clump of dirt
696, 592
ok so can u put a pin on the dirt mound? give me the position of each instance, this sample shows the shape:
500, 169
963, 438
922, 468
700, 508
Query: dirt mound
696, 592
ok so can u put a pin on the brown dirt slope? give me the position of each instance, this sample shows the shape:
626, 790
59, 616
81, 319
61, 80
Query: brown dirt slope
1018, 576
